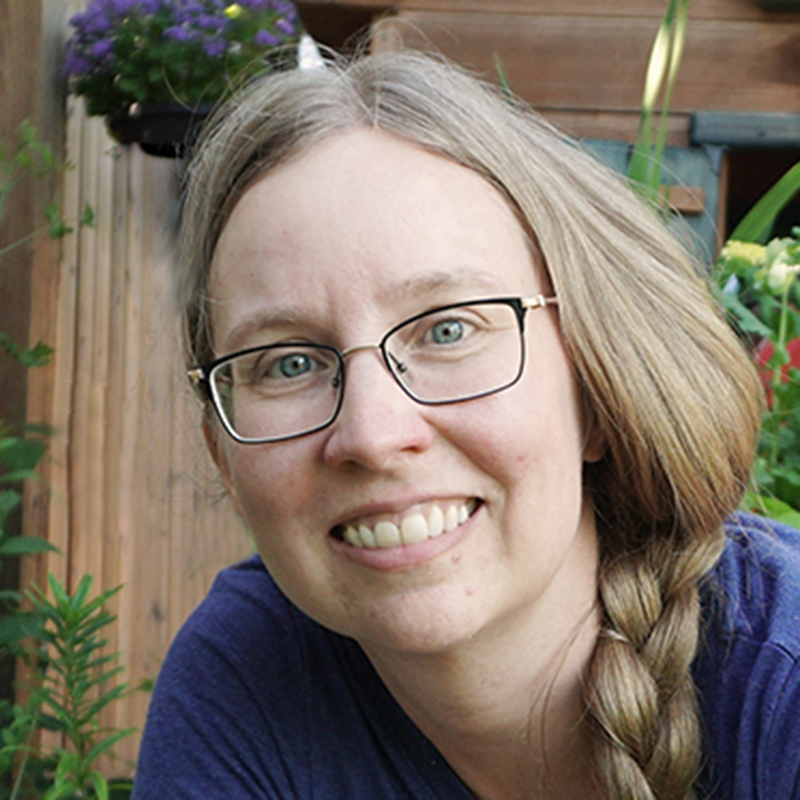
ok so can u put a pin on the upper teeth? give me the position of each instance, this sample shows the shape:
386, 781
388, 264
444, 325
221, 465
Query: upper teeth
412, 529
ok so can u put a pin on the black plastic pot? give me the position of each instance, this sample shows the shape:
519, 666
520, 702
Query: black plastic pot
167, 130
779, 5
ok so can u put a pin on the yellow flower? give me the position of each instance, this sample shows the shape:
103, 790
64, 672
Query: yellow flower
756, 254
233, 11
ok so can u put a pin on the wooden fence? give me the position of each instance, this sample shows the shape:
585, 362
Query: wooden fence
128, 493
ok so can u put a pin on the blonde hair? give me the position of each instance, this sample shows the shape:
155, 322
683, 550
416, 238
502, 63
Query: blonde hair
673, 391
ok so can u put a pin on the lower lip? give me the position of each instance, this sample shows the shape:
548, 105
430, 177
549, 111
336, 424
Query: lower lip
408, 555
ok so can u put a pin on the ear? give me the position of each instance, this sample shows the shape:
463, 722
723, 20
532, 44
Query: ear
212, 435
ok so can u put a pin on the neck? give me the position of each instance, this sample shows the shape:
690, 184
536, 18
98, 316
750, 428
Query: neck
505, 708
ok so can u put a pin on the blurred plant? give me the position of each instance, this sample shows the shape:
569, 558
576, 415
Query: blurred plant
756, 282
647, 156
21, 451
69, 627
759, 287
166, 51
31, 156
70, 688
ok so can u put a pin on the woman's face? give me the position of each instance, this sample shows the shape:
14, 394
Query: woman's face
361, 232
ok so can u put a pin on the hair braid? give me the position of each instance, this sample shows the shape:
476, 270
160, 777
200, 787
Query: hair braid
640, 692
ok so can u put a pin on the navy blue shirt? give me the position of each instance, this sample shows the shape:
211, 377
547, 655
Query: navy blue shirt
255, 700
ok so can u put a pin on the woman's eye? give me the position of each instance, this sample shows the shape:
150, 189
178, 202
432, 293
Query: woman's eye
448, 331
291, 366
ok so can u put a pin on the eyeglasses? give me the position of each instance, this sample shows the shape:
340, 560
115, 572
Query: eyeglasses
447, 355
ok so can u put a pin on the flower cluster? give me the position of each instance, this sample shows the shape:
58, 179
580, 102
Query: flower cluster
166, 51
761, 292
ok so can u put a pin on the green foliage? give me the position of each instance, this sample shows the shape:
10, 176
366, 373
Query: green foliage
19, 456
29, 156
756, 226
72, 685
758, 286
647, 157
72, 676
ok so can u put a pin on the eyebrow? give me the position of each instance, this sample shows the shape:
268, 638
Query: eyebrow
417, 286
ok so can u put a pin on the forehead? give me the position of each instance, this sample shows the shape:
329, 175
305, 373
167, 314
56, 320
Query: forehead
365, 220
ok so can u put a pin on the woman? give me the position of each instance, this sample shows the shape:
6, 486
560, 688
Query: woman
486, 428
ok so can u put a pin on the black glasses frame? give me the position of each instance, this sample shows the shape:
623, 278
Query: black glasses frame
201, 375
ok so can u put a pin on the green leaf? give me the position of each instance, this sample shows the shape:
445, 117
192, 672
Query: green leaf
758, 222
9, 500
21, 454
19, 475
106, 744
745, 318
57, 226
16, 627
505, 86
25, 545
99, 783
645, 164
37, 356
87, 218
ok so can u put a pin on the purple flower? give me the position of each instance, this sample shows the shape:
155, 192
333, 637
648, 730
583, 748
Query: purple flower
210, 23
178, 33
265, 38
284, 26
192, 7
214, 48
121, 7
76, 64
93, 21
101, 48
285, 9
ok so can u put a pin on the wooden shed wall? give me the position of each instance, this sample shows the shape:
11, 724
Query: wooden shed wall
582, 62
128, 493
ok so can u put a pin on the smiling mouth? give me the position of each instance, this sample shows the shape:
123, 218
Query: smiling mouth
413, 528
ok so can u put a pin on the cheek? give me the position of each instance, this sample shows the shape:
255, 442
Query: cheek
268, 483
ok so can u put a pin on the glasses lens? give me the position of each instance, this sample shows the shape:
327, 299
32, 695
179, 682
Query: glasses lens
278, 391
458, 352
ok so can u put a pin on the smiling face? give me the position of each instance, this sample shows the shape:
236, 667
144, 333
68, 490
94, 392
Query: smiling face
408, 527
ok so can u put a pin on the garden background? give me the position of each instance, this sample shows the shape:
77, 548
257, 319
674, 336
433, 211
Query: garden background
126, 492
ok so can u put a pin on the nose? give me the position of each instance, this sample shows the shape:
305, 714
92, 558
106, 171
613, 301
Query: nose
378, 423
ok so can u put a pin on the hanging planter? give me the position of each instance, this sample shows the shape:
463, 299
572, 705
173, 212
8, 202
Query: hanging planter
155, 68
779, 5
168, 130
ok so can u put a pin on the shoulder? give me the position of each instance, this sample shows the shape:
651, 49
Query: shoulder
758, 578
748, 670
257, 700
223, 673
